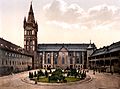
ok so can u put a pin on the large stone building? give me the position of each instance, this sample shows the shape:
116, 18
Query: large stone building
65, 55
54, 55
107, 58
13, 58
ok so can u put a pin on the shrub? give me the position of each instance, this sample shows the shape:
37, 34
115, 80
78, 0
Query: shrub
68, 74
57, 75
40, 73
73, 72
35, 74
30, 74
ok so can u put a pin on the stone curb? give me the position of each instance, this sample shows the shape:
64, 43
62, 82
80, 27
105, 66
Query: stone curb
87, 79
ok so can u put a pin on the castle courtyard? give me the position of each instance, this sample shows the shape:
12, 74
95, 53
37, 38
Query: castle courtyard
98, 81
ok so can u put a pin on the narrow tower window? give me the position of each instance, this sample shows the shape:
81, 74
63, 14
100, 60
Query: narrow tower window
33, 32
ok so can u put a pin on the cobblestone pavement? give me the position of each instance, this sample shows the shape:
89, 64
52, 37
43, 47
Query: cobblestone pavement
99, 81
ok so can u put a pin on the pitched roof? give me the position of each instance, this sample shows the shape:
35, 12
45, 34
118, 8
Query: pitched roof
69, 47
107, 49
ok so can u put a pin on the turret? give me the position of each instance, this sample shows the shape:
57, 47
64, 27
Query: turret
90, 50
24, 23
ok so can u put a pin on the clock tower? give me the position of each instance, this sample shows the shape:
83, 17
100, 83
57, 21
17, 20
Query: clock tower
30, 32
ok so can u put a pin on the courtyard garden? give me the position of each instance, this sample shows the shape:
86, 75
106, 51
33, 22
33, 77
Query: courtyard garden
57, 75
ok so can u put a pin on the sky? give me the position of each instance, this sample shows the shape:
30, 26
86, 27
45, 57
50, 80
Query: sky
63, 21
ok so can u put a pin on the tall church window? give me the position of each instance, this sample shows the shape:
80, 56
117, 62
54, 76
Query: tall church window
63, 60
71, 61
49, 61
55, 60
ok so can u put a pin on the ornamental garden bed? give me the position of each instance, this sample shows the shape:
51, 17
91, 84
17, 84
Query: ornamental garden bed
57, 75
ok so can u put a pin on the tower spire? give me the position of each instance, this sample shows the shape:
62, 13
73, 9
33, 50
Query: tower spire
31, 14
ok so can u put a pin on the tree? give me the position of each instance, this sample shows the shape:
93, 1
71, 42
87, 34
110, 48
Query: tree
46, 74
57, 75
30, 74
35, 74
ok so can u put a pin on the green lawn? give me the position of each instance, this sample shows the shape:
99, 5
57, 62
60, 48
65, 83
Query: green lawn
72, 79
69, 79
44, 80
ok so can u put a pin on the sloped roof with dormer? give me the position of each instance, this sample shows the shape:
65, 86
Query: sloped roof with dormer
69, 47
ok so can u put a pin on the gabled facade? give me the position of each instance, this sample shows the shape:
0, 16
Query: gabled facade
65, 55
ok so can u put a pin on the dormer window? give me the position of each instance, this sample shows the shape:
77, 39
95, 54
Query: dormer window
1, 44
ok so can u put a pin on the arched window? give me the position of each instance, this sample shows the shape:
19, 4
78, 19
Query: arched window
63, 60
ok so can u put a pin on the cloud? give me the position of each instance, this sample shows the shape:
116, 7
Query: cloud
64, 25
60, 11
73, 16
103, 13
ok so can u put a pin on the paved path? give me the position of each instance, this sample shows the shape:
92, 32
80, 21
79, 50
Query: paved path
99, 81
